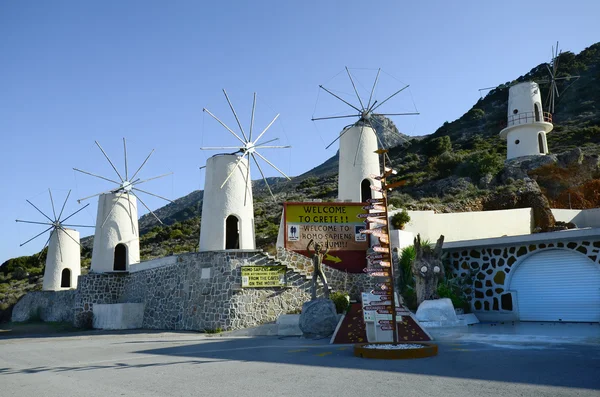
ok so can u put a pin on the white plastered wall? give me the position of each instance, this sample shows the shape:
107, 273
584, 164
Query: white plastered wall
114, 225
219, 203
581, 218
357, 161
67, 256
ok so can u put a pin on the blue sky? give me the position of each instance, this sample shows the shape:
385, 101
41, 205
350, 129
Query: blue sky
72, 72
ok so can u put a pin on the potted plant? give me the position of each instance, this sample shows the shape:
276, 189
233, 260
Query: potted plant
399, 219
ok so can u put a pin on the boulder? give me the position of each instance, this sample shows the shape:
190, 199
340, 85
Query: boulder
318, 319
437, 313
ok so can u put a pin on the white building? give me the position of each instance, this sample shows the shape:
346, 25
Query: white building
63, 260
116, 239
527, 125
227, 209
358, 163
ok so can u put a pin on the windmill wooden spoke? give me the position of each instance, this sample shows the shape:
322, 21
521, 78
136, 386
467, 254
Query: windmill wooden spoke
355, 91
267, 127
336, 139
131, 215
335, 117
65, 203
79, 210
219, 148
346, 102
97, 176
64, 230
94, 195
372, 106
224, 125
269, 141
237, 163
235, 115
40, 211
125, 152
57, 231
153, 178
399, 114
39, 257
373, 89
144, 204
273, 147
272, 165
139, 169
36, 236
385, 154
390, 97
152, 194
252, 117
35, 223
64, 224
248, 182
262, 174
114, 204
362, 128
111, 163
52, 202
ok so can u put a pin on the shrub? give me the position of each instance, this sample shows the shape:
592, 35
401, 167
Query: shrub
175, 233
340, 299
217, 330
437, 146
481, 163
399, 219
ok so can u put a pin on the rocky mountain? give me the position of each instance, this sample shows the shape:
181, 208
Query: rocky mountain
460, 167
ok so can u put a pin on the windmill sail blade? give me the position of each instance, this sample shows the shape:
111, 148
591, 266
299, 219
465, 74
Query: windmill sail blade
373, 89
335, 117
224, 125
111, 163
79, 210
152, 194
235, 115
346, 102
144, 204
52, 202
40, 211
39, 257
269, 141
36, 236
97, 176
131, 215
35, 223
399, 114
273, 147
390, 97
272, 165
153, 178
355, 91
94, 195
267, 127
125, 152
336, 139
237, 163
362, 128
220, 148
248, 182
139, 169
262, 174
68, 225
381, 145
252, 117
63, 206
57, 231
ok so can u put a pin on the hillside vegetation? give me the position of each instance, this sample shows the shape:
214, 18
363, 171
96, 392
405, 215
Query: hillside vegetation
460, 167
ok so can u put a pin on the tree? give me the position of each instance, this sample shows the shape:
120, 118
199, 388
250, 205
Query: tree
427, 269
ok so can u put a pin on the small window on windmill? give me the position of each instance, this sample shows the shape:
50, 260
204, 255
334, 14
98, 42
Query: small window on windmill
517, 142
65, 279
515, 111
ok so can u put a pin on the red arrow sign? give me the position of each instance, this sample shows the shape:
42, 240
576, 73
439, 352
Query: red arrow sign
387, 327
373, 257
380, 292
382, 311
385, 297
381, 221
378, 248
395, 184
382, 263
371, 214
384, 238
375, 200
385, 322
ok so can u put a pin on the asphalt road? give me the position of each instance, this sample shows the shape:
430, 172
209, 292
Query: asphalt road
189, 364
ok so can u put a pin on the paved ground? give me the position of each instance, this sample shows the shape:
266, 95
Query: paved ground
189, 364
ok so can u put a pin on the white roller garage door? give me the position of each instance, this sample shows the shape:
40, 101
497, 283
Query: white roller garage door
557, 285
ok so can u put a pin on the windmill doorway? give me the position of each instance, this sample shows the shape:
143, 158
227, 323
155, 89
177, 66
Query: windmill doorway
232, 233
120, 263
541, 142
365, 191
65, 279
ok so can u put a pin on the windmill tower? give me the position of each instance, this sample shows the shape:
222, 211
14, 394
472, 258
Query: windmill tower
116, 239
227, 207
358, 160
527, 123
63, 260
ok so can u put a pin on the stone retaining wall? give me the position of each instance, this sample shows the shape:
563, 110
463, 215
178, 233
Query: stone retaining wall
46, 306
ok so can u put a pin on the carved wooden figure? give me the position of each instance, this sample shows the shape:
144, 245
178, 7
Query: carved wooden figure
427, 269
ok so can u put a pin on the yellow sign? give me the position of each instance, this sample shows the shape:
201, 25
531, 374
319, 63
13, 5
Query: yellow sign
263, 276
338, 224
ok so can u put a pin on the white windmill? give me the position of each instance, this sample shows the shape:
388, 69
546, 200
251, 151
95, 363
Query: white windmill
358, 162
527, 124
227, 207
116, 239
63, 259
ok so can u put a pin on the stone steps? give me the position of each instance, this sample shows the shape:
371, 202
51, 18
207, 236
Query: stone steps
302, 271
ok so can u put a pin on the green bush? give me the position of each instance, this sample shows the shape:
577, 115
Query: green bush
437, 146
175, 233
340, 299
399, 219
481, 163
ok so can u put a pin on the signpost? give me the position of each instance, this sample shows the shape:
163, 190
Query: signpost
338, 224
263, 276
380, 259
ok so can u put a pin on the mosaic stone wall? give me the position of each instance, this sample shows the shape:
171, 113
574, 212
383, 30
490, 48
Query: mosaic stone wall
202, 291
491, 268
